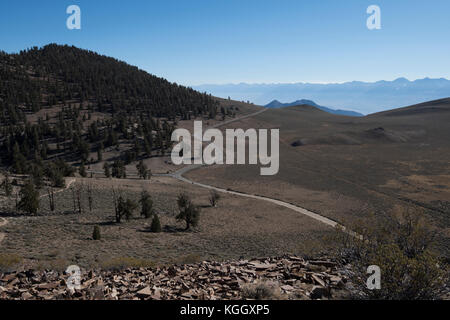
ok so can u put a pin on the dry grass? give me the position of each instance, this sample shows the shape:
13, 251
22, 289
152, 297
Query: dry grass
239, 227
262, 290
347, 181
9, 261
119, 263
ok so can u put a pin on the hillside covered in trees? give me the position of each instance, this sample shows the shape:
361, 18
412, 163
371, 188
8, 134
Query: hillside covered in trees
62, 103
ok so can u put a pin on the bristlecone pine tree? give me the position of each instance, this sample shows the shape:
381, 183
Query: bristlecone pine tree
6, 185
82, 170
142, 170
118, 169
107, 170
99, 154
96, 234
125, 208
29, 198
156, 225
189, 212
146, 204
214, 198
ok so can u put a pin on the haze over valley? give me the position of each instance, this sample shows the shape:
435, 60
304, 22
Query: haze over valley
362, 97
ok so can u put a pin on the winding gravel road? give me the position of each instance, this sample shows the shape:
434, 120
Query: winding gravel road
179, 176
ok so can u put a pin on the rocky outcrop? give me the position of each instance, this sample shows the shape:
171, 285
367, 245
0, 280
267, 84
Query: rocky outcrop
293, 277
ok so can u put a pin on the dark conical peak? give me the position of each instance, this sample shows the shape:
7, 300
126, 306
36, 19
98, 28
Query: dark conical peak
274, 104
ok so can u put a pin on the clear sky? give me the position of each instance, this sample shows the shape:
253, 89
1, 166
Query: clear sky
230, 41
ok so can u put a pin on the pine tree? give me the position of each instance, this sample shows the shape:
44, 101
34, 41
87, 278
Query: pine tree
214, 198
107, 170
188, 212
118, 170
96, 234
99, 155
29, 198
82, 170
142, 170
146, 204
19, 161
6, 185
54, 173
37, 174
125, 208
156, 225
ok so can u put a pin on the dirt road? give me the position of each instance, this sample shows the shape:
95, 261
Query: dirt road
179, 176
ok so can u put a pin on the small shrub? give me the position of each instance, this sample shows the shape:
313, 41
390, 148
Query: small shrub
96, 234
214, 198
156, 225
261, 291
402, 246
143, 171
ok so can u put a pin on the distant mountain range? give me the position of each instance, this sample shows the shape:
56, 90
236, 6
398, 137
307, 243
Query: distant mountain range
363, 97
275, 104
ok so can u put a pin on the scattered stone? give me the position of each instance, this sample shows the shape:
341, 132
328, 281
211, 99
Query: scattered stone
319, 292
206, 280
318, 280
146, 292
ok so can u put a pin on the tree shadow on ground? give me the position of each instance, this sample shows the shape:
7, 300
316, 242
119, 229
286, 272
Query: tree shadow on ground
11, 214
103, 223
173, 229
166, 229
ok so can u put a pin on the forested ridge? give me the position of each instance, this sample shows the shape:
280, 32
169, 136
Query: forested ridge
60, 103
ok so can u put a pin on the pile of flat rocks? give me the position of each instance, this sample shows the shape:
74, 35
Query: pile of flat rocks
293, 277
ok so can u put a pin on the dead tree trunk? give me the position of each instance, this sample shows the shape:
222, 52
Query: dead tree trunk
51, 198
90, 196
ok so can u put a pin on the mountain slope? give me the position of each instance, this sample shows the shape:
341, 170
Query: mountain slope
62, 102
431, 107
277, 104
54, 74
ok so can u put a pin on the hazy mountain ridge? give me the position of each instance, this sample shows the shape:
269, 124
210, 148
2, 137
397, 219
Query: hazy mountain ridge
277, 104
363, 97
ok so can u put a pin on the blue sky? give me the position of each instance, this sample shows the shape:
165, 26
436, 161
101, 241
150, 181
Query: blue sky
257, 41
